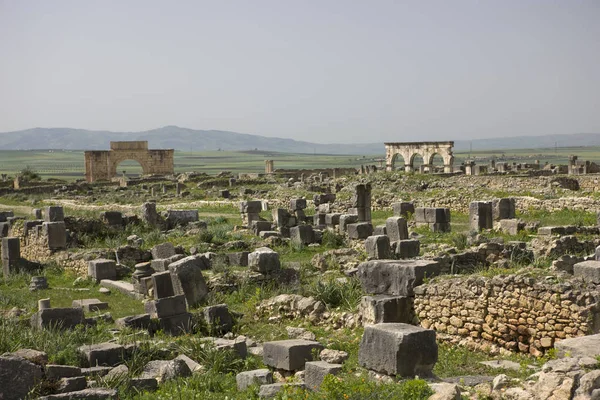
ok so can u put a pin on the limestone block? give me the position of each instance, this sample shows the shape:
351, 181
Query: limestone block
302, 234
316, 371
163, 251
54, 214
57, 235
378, 247
264, 260
289, 355
188, 280
17, 377
166, 306
105, 354
396, 228
102, 268
64, 318
397, 278
383, 308
408, 248
403, 209
162, 284
297, 204
589, 271
218, 318
347, 219
398, 349
239, 259
251, 207
246, 379
90, 305
360, 230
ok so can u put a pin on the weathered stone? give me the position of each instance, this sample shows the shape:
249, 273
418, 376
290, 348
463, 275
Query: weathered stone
398, 349
192, 365
240, 258
589, 271
297, 204
65, 318
35, 356
57, 235
332, 219
333, 356
17, 377
264, 260
408, 248
163, 251
584, 346
218, 318
54, 214
345, 220
396, 228
290, 355
85, 394
188, 280
480, 215
270, 391
90, 305
503, 208
360, 230
379, 230
105, 354
72, 384
397, 278
315, 372
112, 218
166, 306
54, 371
11, 248
162, 284
140, 321
378, 247
403, 209
302, 234
383, 308
102, 269
246, 379
260, 226
176, 324
181, 217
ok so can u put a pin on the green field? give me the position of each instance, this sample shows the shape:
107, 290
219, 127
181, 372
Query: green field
69, 165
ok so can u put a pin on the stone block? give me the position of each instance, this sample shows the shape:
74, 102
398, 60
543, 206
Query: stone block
383, 308
259, 377
55, 372
264, 260
270, 391
297, 204
347, 219
440, 227
177, 324
54, 214
378, 247
11, 248
102, 268
4, 229
396, 228
379, 230
332, 219
140, 321
181, 217
237, 345
57, 235
112, 218
289, 355
480, 215
103, 354
260, 226
395, 277
510, 226
403, 209
302, 234
251, 207
188, 280
65, 318
578, 347
5, 215
360, 230
503, 209
218, 318
408, 248
281, 217
398, 349
122, 286
30, 226
316, 371
319, 219
17, 377
72, 384
166, 306
37, 213
239, 259
162, 284
589, 271
163, 251
90, 305
437, 215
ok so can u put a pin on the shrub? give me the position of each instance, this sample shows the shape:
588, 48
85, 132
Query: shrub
344, 293
333, 239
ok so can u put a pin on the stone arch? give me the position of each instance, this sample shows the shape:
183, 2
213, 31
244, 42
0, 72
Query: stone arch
127, 164
427, 150
102, 165
395, 160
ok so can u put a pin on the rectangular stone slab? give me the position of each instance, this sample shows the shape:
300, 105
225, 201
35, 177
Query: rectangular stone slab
395, 277
290, 355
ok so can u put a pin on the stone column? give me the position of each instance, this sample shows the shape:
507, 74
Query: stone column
268, 166
362, 202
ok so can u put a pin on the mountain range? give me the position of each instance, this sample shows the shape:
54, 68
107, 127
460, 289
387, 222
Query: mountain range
173, 137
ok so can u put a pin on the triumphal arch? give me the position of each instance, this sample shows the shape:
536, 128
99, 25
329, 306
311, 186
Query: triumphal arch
102, 165
427, 150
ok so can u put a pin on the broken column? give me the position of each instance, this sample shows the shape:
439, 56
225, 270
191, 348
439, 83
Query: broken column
11, 255
361, 201
268, 166
149, 214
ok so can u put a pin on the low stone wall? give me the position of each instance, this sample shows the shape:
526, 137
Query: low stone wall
516, 312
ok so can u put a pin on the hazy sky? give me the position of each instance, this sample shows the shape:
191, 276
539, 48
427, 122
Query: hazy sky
316, 70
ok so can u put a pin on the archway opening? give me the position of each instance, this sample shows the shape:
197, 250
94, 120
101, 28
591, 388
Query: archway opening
398, 162
130, 169
416, 161
437, 163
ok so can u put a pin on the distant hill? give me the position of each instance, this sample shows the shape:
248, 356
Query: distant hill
173, 137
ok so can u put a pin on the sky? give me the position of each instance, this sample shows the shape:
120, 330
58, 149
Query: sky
316, 70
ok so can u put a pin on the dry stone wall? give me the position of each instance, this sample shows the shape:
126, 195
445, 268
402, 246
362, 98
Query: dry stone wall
516, 312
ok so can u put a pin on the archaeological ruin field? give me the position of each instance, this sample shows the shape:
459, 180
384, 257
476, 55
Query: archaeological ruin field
322, 277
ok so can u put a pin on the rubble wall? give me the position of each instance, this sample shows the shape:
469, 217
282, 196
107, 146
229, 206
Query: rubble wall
517, 312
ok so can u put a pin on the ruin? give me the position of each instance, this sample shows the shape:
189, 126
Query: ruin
427, 150
102, 165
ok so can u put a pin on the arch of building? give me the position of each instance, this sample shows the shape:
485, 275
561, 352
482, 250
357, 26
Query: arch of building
427, 150
102, 165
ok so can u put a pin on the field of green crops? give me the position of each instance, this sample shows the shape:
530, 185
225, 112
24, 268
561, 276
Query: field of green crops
69, 165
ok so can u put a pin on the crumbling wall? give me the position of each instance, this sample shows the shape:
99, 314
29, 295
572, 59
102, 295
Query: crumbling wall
517, 312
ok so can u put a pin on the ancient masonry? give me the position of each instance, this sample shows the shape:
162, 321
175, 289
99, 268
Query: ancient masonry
427, 150
102, 165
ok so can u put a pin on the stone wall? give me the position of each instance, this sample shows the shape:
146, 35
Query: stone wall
516, 312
